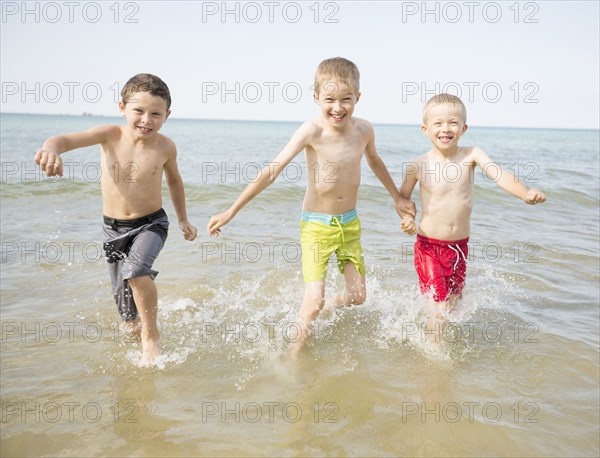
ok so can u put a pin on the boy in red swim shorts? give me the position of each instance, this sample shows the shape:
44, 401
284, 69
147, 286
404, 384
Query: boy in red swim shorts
445, 176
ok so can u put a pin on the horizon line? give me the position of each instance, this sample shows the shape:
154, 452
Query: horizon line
91, 115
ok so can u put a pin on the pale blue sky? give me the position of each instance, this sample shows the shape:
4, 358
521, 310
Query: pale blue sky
56, 49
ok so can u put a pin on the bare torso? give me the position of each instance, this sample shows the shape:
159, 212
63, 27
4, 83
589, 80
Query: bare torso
446, 187
132, 175
333, 166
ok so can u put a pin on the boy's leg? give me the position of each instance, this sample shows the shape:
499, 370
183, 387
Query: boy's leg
115, 245
431, 280
351, 263
450, 285
314, 300
123, 297
146, 299
138, 272
355, 292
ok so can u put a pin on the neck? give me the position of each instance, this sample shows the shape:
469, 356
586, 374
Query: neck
446, 152
140, 141
336, 129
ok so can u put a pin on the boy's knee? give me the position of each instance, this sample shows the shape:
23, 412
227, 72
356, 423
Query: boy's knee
140, 281
140, 278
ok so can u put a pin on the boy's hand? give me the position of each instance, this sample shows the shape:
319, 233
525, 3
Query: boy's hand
534, 196
50, 162
216, 221
409, 226
404, 207
189, 231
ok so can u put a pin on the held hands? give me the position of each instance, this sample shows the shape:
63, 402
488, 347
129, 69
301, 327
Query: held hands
407, 211
534, 196
189, 231
216, 221
408, 225
50, 162
404, 207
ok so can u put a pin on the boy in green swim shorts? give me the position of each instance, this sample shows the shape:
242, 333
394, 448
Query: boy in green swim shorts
329, 220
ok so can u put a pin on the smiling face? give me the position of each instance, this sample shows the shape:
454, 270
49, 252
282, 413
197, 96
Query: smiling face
145, 114
336, 100
444, 124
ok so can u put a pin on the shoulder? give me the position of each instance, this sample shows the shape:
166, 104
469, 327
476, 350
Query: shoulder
166, 145
165, 141
416, 163
474, 154
109, 131
423, 158
309, 130
469, 150
103, 134
363, 126
475, 150
311, 127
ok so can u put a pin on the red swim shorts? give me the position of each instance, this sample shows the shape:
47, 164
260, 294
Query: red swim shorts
441, 265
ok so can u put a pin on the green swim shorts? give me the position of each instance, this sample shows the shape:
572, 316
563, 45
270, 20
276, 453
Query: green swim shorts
321, 235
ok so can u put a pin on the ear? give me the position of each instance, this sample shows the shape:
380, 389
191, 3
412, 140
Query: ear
424, 128
315, 97
465, 127
168, 113
357, 97
122, 107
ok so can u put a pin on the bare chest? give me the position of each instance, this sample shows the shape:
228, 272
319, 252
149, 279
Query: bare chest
126, 166
443, 178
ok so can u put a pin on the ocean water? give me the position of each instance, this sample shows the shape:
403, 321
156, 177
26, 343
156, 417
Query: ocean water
516, 372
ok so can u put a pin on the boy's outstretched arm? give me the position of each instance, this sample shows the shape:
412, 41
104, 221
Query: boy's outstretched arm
48, 157
506, 180
268, 175
409, 181
177, 193
403, 205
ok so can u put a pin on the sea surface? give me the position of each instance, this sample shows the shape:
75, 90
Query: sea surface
514, 373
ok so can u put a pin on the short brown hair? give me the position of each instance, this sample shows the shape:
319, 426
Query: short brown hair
444, 98
340, 69
145, 82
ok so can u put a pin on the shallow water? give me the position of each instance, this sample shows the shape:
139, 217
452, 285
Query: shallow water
516, 372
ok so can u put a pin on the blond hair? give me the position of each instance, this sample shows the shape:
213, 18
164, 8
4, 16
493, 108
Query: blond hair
339, 69
444, 99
